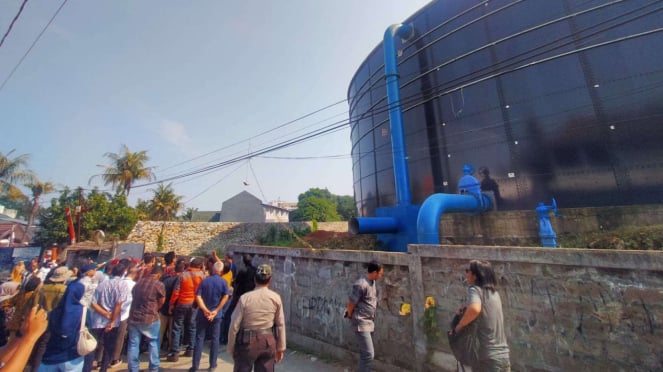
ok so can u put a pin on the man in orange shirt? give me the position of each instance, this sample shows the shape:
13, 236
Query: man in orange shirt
183, 311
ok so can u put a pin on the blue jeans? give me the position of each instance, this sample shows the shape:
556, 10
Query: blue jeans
202, 325
75, 365
151, 332
184, 319
366, 351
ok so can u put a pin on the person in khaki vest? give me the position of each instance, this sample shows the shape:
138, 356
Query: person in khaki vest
256, 339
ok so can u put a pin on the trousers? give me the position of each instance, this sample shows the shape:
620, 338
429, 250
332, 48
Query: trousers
257, 353
184, 327
202, 326
366, 351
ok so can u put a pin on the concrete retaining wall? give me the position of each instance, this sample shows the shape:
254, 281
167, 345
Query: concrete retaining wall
565, 309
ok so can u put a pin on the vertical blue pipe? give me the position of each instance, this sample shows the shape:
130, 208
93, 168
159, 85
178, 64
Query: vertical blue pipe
401, 171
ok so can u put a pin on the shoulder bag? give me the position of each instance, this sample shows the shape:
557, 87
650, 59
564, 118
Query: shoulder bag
86, 342
465, 344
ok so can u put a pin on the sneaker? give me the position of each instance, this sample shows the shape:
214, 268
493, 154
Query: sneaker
173, 357
211, 369
188, 353
115, 363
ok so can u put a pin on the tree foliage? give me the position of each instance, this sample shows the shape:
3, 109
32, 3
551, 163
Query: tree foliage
126, 168
165, 203
99, 211
38, 188
163, 206
345, 206
13, 170
321, 205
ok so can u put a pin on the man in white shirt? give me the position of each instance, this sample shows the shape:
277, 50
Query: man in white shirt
105, 319
129, 281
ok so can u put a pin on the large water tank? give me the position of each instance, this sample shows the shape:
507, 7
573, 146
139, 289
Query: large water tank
558, 99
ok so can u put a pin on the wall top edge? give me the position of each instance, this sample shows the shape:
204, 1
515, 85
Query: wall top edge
602, 258
614, 259
389, 258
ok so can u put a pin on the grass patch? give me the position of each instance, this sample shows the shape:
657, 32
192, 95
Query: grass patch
630, 238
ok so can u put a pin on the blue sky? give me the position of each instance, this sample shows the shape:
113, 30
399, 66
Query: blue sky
188, 82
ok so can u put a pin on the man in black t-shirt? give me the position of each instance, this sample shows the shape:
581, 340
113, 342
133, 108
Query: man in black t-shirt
165, 317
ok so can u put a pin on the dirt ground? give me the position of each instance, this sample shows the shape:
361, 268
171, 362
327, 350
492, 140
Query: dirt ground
337, 240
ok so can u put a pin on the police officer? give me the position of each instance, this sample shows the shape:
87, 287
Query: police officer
257, 330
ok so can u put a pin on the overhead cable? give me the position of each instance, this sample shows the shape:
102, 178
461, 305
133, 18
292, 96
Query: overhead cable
20, 10
32, 46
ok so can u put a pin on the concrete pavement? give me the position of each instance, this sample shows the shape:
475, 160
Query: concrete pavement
294, 361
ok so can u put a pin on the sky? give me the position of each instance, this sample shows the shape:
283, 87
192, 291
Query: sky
194, 84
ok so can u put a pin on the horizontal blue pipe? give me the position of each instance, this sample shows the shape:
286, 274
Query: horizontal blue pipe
373, 225
428, 220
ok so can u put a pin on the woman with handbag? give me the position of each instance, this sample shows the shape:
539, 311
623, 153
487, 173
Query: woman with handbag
484, 313
65, 324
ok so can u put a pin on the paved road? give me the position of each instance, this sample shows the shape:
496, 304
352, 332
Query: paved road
294, 361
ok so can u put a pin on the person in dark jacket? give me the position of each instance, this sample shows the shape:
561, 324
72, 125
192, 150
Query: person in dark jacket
64, 326
244, 282
166, 318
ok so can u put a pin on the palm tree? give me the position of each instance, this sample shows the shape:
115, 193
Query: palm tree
126, 168
38, 188
165, 204
13, 170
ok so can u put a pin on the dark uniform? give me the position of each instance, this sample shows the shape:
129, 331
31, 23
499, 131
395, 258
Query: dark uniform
257, 329
243, 282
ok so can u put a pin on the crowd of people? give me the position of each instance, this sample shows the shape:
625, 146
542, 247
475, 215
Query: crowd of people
179, 304
168, 307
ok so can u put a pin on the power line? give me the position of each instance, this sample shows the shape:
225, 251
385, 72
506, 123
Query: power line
415, 99
259, 134
20, 10
32, 46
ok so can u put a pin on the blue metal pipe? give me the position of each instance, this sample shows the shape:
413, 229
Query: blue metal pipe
401, 171
428, 220
373, 225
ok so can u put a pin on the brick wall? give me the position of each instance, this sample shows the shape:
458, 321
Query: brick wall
565, 309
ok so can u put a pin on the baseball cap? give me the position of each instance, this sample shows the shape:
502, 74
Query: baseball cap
88, 267
264, 272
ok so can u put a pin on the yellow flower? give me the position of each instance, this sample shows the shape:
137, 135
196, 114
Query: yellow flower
430, 302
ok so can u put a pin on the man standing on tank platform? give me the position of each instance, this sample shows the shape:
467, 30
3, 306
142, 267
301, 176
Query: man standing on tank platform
257, 330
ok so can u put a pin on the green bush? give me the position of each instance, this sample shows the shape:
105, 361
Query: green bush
282, 236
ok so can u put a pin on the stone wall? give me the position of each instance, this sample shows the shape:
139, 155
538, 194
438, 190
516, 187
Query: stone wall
510, 228
565, 309
188, 237
521, 228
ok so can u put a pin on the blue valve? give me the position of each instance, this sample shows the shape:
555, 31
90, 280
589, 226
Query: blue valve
546, 232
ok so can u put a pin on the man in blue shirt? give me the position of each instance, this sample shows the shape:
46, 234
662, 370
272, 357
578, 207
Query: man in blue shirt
212, 294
